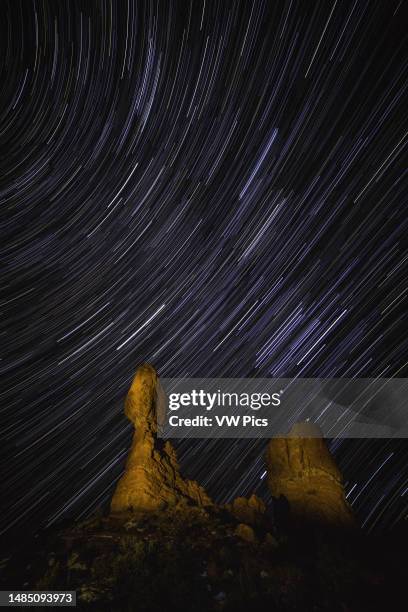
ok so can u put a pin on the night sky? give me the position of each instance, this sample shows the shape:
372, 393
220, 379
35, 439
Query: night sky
215, 187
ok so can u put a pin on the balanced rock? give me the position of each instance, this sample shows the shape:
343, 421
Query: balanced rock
152, 479
302, 470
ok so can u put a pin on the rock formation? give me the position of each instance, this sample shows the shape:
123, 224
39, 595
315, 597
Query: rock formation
245, 532
152, 479
302, 470
250, 511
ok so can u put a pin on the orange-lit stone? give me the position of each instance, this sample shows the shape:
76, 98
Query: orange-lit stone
301, 469
152, 479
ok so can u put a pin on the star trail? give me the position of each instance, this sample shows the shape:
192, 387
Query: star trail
216, 187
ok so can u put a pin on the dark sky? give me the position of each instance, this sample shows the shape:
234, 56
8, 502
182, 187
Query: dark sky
215, 187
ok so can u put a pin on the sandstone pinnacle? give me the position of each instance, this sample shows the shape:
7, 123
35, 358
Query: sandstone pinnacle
302, 470
152, 479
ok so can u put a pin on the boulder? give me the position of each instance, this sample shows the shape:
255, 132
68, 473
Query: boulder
248, 510
245, 532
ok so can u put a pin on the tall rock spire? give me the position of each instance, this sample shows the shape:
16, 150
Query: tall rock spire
301, 469
152, 480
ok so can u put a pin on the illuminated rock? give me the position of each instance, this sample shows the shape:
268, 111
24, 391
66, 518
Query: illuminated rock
302, 470
152, 479
248, 510
245, 532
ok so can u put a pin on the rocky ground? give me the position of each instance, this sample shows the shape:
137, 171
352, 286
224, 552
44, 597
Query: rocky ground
200, 560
